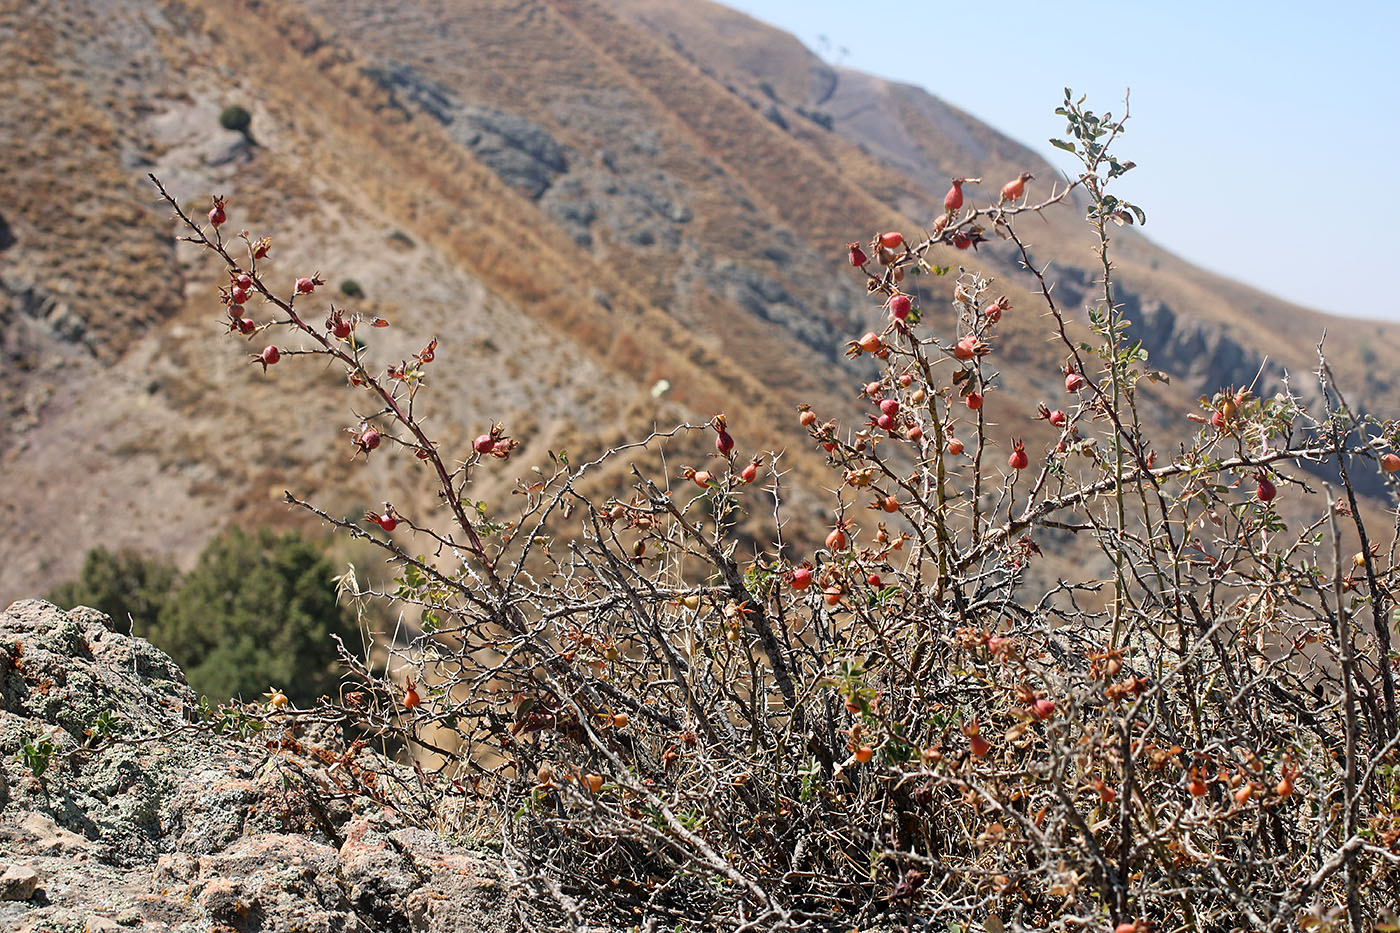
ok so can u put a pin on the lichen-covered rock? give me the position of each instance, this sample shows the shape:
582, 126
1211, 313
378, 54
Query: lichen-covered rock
18, 883
120, 809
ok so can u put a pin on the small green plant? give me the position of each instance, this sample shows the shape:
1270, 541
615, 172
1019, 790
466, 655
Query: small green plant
256, 609
104, 728
351, 289
37, 756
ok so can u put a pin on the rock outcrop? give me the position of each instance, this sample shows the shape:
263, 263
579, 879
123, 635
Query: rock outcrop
122, 809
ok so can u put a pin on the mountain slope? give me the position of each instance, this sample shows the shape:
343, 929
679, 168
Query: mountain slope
578, 199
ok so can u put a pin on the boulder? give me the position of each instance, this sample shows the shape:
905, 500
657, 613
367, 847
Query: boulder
122, 808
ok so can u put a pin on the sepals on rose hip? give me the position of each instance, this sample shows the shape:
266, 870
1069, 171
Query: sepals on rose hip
869, 342
217, 216
976, 743
268, 357
388, 520
365, 437
1018, 459
884, 504
889, 249
1016, 187
953, 200
724, 443
495, 443
338, 325
972, 236
969, 348
1056, 417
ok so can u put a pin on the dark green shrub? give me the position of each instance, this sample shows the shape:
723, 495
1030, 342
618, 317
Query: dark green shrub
257, 610
351, 289
124, 585
234, 117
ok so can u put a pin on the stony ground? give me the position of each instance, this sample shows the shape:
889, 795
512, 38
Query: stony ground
118, 811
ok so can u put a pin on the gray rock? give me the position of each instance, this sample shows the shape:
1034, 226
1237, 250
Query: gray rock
18, 883
405, 81
518, 150
521, 152
161, 825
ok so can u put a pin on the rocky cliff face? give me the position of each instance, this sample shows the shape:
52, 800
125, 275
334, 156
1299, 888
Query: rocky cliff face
119, 811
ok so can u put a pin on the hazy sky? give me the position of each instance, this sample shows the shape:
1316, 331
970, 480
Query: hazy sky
1282, 115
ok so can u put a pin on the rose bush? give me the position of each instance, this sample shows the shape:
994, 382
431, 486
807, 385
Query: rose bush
908, 727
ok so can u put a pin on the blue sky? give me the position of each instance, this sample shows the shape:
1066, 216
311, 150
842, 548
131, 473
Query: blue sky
1281, 115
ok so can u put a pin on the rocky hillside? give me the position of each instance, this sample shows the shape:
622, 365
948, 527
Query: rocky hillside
118, 811
579, 199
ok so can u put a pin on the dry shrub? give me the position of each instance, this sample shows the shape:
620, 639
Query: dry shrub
1119, 686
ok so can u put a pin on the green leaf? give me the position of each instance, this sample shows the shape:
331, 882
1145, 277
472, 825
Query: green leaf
1061, 144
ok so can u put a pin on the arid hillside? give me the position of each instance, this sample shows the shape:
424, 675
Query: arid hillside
578, 199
